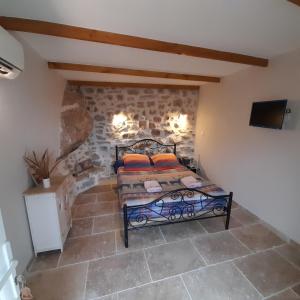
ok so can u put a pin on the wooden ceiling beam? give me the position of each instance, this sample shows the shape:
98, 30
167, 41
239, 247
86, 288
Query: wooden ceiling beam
297, 2
131, 72
86, 34
133, 85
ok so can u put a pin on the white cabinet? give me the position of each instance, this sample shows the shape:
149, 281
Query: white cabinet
49, 214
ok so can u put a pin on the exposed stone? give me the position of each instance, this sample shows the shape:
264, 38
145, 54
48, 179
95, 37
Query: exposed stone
177, 102
71, 98
152, 125
142, 124
157, 119
149, 91
155, 132
150, 104
89, 90
133, 91
77, 125
95, 156
99, 118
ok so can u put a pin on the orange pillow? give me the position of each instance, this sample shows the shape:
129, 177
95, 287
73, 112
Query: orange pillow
136, 161
168, 160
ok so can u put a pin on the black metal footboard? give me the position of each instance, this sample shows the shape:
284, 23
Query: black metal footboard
177, 206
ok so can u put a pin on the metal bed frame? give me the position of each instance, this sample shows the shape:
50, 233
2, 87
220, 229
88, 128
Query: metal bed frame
180, 205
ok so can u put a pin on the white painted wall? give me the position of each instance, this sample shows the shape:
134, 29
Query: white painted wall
29, 120
261, 166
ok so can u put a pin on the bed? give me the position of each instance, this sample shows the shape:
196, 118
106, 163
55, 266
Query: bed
175, 203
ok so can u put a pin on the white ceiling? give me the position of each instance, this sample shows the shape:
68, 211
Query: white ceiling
263, 28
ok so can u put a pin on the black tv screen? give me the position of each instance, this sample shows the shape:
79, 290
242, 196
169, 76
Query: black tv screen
268, 114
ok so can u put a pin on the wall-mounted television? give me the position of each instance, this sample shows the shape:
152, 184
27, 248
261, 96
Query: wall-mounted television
268, 114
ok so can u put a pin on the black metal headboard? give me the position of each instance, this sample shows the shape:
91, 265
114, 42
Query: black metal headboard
145, 146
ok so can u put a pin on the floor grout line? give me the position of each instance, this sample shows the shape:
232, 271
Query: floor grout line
85, 283
245, 277
164, 238
116, 248
187, 290
91, 234
250, 250
197, 250
145, 256
281, 291
93, 226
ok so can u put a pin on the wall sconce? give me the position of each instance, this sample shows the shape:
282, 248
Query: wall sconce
119, 120
182, 121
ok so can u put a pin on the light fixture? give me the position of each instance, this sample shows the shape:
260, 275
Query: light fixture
182, 121
119, 120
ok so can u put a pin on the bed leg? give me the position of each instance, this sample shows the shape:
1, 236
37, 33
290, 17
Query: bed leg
228, 211
125, 225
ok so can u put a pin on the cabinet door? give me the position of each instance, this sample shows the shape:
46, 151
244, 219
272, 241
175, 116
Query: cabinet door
44, 223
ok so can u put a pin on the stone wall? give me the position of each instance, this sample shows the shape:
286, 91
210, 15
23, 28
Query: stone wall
76, 122
125, 115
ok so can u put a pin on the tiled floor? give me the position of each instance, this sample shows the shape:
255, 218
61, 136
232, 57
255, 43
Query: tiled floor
195, 260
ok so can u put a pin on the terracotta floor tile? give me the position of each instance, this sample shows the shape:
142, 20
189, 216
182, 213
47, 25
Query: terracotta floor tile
268, 272
219, 247
219, 282
87, 248
116, 273
45, 261
81, 227
257, 237
107, 223
60, 284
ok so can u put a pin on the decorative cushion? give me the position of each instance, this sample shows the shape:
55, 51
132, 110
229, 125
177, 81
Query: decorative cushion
136, 161
165, 160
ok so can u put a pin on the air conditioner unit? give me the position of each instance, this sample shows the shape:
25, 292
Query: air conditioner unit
11, 56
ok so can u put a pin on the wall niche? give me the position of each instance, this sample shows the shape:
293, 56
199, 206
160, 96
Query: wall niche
106, 117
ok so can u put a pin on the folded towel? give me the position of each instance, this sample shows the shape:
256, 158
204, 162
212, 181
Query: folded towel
152, 186
191, 182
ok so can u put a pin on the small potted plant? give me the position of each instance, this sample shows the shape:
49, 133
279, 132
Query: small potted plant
41, 167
